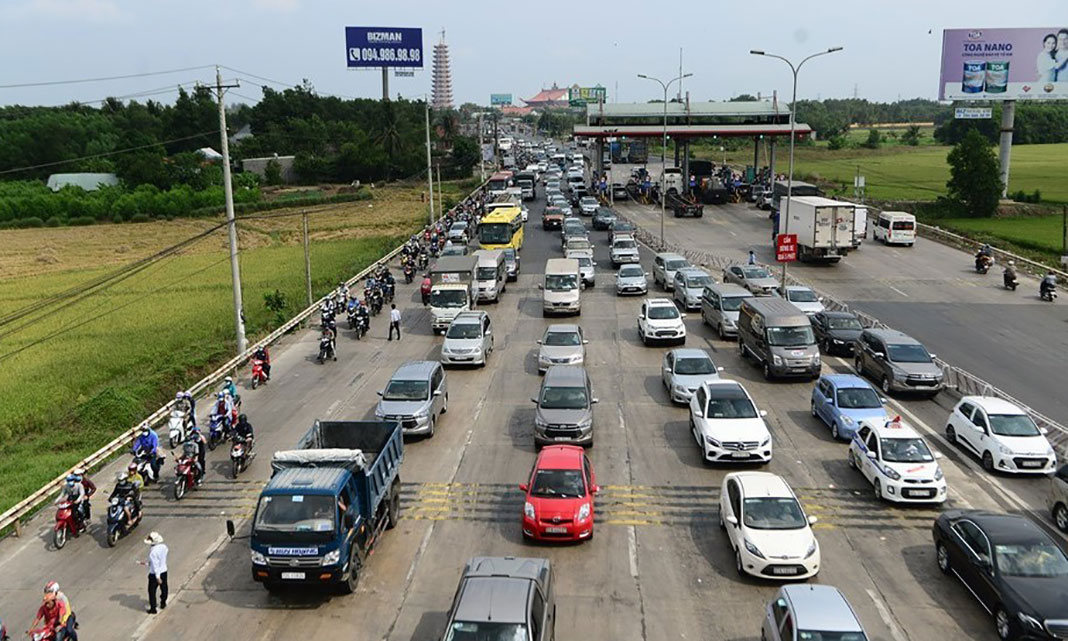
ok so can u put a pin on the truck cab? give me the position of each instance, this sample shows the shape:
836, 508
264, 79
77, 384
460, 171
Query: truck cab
452, 289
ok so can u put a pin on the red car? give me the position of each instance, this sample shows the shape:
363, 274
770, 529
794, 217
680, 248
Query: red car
559, 505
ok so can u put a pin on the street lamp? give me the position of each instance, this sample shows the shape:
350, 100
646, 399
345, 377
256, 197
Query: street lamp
663, 149
793, 122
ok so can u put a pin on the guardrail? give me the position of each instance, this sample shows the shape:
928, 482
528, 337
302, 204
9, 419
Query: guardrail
958, 381
13, 517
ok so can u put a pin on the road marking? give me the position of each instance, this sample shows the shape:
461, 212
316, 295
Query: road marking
619, 412
333, 406
897, 290
632, 551
884, 614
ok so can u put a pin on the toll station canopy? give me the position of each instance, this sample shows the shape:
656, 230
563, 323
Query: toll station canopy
689, 120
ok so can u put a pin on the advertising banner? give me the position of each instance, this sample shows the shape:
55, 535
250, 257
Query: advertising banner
973, 113
500, 99
786, 248
384, 47
1004, 64
580, 96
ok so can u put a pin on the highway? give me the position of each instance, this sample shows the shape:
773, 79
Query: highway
658, 568
930, 291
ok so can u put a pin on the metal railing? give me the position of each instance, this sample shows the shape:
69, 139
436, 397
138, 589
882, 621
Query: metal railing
14, 516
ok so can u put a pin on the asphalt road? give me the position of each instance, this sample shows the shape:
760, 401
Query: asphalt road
930, 291
659, 567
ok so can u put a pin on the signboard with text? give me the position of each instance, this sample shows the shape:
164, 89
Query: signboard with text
581, 96
384, 47
500, 99
1004, 64
786, 248
973, 113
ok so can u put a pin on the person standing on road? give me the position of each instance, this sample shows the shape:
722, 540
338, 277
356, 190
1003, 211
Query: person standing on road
394, 321
752, 257
157, 571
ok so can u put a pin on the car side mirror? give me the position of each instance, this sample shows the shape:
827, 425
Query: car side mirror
699, 413
871, 455
437, 392
585, 341
933, 356
489, 332
540, 286
230, 529
683, 315
879, 354
763, 413
719, 369
937, 455
538, 341
1043, 431
533, 400
983, 561
812, 520
667, 370
884, 401
595, 489
733, 520
379, 392
524, 487
594, 400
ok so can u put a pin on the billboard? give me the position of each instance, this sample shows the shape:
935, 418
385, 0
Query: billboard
580, 96
500, 98
973, 113
383, 47
1004, 64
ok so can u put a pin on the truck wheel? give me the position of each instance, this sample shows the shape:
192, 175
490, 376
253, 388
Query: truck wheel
349, 584
393, 513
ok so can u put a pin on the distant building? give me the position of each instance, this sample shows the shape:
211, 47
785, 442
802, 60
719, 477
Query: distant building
258, 166
552, 98
207, 153
88, 182
441, 83
512, 110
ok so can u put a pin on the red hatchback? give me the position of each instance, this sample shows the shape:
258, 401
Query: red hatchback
559, 505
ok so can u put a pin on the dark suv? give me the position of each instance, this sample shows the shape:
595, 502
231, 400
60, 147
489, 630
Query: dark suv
898, 362
504, 598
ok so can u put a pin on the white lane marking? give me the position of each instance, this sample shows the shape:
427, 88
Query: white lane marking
731, 233
897, 290
632, 550
30, 540
884, 614
619, 412
419, 553
333, 406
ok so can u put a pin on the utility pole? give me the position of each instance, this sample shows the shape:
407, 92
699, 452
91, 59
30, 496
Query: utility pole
307, 258
429, 171
441, 207
231, 226
663, 149
481, 148
385, 84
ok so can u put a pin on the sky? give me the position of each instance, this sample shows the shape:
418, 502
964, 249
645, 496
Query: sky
891, 49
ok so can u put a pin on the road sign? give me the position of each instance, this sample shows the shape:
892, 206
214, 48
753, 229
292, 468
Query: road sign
786, 248
973, 113
580, 96
384, 47
500, 99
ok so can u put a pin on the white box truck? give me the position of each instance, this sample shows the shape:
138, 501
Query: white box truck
825, 228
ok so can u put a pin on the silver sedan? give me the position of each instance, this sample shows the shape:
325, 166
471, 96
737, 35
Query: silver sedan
631, 279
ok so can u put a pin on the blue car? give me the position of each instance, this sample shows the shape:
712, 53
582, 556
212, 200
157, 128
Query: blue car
843, 400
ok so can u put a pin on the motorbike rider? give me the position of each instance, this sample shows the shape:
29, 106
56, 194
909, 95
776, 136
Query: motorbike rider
342, 291
243, 430
331, 336
128, 490
74, 492
262, 354
1010, 273
147, 443
224, 407
196, 438
56, 613
1048, 284
88, 486
231, 389
183, 400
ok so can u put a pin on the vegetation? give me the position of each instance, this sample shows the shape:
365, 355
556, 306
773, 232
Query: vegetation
1039, 235
974, 186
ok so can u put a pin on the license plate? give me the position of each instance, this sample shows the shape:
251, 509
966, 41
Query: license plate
1031, 464
919, 494
556, 530
292, 576
783, 571
739, 454
562, 438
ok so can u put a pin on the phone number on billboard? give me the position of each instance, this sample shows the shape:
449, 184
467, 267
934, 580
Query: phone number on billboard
385, 54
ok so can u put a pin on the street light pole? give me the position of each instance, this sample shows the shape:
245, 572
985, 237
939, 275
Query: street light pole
663, 149
793, 123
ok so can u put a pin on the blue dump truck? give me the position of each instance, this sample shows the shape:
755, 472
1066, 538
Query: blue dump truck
327, 502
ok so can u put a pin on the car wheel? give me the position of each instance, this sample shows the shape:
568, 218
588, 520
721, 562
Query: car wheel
738, 563
430, 430
877, 490
767, 371
812, 409
1060, 517
951, 434
885, 385
851, 460
826, 346
942, 556
722, 334
722, 523
988, 462
1003, 624
835, 434
445, 403
858, 365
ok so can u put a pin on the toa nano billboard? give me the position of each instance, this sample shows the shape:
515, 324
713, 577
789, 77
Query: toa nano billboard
1004, 64
383, 47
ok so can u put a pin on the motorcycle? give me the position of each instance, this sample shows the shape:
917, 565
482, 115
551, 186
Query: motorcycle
186, 474
409, 274
326, 349
47, 633
218, 427
144, 466
360, 327
1010, 281
240, 454
1047, 293
66, 524
983, 263
117, 523
258, 375
177, 425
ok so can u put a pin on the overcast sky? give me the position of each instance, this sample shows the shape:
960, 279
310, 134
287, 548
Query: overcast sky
891, 47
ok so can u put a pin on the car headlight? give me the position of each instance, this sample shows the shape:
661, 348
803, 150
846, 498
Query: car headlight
257, 558
776, 359
892, 474
1003, 449
583, 513
1049, 450
379, 413
422, 413
766, 442
528, 510
330, 558
540, 423
812, 549
680, 389
816, 358
848, 420
1030, 621
585, 423
939, 474
837, 342
753, 549
728, 322
713, 442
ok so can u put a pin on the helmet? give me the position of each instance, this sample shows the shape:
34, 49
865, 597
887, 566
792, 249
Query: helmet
242, 418
80, 471
1012, 262
222, 395
178, 395
144, 427
72, 479
229, 379
123, 476
51, 587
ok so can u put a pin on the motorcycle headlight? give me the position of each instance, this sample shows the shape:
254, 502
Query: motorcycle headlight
753, 549
776, 360
939, 474
811, 549
528, 510
330, 558
257, 558
892, 474
583, 513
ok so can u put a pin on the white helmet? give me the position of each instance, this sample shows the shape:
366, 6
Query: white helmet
229, 379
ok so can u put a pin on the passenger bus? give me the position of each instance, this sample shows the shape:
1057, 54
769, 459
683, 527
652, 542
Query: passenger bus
499, 182
501, 228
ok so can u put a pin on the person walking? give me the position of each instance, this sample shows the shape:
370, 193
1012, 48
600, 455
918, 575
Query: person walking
394, 321
752, 257
157, 571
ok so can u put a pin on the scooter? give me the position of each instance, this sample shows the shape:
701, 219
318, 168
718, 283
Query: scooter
326, 349
117, 524
258, 375
1047, 293
217, 429
177, 425
240, 454
1010, 281
47, 633
144, 466
983, 263
66, 524
185, 472
360, 327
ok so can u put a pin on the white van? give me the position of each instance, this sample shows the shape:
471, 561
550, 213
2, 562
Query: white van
895, 228
491, 274
562, 287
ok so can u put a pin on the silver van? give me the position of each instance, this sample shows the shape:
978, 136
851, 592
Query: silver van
562, 287
415, 395
491, 274
720, 305
504, 598
564, 407
779, 337
665, 265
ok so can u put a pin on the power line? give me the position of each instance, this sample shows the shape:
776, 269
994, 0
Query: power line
106, 153
102, 79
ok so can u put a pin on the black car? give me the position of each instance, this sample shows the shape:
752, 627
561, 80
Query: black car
1011, 566
836, 332
603, 218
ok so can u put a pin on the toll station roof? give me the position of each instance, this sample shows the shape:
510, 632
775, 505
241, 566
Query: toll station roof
761, 109
689, 120
691, 131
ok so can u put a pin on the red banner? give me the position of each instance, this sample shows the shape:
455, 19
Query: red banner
786, 248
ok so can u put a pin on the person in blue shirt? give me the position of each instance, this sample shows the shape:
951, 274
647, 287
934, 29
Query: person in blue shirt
147, 442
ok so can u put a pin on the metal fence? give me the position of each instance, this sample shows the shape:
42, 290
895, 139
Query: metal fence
17, 513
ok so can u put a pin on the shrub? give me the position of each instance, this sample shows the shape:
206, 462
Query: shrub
80, 221
54, 222
31, 221
140, 218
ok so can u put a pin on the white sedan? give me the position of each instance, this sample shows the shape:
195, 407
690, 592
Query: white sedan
727, 425
897, 462
767, 528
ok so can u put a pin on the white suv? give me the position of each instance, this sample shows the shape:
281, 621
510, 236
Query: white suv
767, 528
897, 462
1002, 435
660, 320
727, 425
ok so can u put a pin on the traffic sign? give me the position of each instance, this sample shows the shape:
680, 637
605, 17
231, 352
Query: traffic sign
786, 248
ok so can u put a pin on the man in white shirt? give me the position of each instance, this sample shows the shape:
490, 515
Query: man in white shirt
157, 571
394, 321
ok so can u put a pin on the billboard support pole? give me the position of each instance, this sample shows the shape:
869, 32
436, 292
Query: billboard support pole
385, 84
1008, 119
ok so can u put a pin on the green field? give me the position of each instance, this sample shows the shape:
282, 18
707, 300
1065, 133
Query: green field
94, 368
1040, 233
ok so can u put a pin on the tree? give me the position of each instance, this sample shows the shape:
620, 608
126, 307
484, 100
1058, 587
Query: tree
912, 135
745, 97
975, 182
272, 173
874, 139
465, 155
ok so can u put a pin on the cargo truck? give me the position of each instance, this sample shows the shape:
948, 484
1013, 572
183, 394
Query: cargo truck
452, 289
329, 499
825, 228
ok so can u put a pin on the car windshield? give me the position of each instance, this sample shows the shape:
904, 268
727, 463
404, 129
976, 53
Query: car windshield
464, 330
823, 635
791, 336
625, 243
589, 200
773, 513
560, 282
1038, 558
631, 271
729, 402
802, 296
906, 450
456, 250
1013, 425
448, 298
561, 339
697, 282
585, 261
558, 483
487, 273
458, 227
675, 265
296, 513
663, 312
491, 233
908, 354
731, 303
399, 390
835, 322
509, 255
563, 398
621, 226
858, 398
694, 366
755, 272
486, 631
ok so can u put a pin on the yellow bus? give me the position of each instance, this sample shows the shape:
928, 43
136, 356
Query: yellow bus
502, 228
